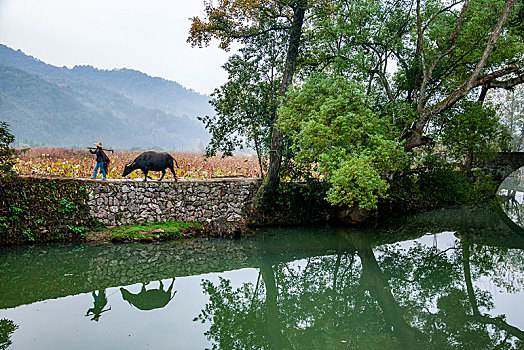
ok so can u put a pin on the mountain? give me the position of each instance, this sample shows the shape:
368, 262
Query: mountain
168, 96
57, 106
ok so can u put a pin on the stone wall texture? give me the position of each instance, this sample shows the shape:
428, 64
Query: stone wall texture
124, 202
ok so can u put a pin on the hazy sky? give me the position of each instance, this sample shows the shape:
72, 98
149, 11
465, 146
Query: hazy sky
146, 35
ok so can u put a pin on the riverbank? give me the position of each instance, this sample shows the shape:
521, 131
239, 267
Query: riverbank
148, 232
35, 209
166, 231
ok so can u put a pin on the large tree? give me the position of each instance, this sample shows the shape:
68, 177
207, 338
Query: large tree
246, 104
459, 56
242, 21
425, 67
444, 53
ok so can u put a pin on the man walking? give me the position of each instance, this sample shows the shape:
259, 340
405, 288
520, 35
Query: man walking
100, 158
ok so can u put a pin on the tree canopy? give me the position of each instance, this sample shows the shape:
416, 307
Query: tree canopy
335, 133
375, 83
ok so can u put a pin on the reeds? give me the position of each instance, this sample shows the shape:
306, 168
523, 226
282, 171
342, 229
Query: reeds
80, 163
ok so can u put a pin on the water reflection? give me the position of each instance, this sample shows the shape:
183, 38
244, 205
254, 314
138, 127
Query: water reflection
388, 297
402, 286
7, 327
511, 195
99, 303
149, 299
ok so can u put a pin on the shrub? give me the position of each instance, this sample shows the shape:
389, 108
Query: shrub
6, 153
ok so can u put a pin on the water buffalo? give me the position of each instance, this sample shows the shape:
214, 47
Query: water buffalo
151, 161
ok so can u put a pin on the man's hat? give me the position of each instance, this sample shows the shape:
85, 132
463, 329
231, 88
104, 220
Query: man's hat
98, 144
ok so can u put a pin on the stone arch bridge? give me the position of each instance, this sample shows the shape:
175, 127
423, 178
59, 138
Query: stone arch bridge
502, 165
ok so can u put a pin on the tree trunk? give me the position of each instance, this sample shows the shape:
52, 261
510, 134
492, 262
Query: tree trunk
271, 182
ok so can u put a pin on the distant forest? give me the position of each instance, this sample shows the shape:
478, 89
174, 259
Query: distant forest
60, 107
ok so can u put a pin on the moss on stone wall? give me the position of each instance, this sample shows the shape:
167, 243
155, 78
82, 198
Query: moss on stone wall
42, 209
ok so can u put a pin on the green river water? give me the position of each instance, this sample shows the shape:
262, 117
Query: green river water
451, 278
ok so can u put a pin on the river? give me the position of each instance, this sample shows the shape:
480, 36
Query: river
451, 278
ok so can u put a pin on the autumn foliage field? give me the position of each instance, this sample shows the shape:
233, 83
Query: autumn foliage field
80, 163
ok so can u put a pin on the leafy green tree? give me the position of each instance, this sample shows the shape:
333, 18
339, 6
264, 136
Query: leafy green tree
443, 52
337, 136
421, 64
455, 57
6, 153
444, 55
468, 128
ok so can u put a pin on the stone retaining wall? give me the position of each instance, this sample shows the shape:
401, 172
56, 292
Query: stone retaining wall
124, 202
36, 209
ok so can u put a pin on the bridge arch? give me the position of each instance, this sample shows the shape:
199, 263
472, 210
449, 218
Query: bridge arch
503, 165
500, 168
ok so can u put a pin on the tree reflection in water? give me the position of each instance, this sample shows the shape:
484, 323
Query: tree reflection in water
511, 202
390, 296
7, 327
511, 196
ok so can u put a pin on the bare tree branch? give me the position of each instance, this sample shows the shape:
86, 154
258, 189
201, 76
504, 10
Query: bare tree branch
506, 84
384, 81
491, 83
429, 73
415, 137
492, 76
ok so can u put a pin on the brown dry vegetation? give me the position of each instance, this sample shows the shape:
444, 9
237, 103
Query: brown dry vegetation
80, 163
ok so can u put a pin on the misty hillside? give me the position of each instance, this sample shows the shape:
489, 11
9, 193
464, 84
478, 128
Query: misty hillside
146, 91
143, 90
57, 106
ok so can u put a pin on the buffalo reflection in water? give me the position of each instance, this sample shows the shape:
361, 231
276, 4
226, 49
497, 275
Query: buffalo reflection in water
149, 299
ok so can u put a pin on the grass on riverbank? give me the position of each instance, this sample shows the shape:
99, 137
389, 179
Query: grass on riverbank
151, 232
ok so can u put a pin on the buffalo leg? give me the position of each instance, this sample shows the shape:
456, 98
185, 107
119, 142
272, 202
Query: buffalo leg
145, 174
163, 174
173, 171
